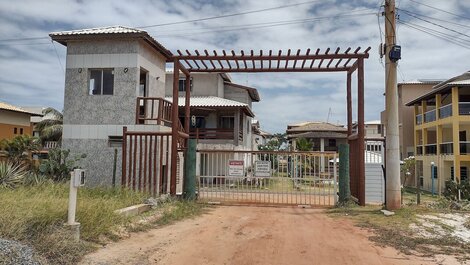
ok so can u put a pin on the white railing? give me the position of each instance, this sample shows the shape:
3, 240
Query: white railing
50, 144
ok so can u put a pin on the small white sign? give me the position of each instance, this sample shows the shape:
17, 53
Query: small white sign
263, 168
236, 168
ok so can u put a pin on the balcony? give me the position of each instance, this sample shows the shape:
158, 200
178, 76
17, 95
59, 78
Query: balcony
464, 148
419, 119
445, 111
419, 150
430, 116
447, 148
464, 108
212, 133
153, 111
430, 149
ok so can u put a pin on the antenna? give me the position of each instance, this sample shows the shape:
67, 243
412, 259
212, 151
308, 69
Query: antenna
329, 114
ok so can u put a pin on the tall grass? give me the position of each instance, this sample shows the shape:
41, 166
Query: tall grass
36, 214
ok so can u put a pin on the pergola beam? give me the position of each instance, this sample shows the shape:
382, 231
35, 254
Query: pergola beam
260, 70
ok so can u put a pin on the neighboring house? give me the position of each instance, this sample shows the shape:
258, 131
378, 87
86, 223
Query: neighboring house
441, 133
260, 137
324, 136
408, 91
373, 130
106, 70
222, 110
15, 121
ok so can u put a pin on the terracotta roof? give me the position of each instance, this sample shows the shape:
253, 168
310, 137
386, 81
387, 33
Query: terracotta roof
6, 106
64, 36
315, 126
211, 101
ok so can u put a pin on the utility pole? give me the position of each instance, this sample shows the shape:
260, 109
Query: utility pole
392, 162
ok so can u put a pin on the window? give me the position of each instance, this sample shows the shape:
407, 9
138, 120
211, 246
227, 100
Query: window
21, 130
115, 141
182, 85
331, 142
101, 82
200, 123
15, 130
463, 173
435, 173
227, 122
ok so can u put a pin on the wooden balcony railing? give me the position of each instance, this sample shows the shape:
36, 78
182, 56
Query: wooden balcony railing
212, 133
153, 109
50, 145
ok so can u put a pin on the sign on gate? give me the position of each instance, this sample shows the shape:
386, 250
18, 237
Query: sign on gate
235, 168
263, 168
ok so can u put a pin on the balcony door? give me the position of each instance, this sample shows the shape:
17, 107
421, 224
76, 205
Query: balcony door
143, 92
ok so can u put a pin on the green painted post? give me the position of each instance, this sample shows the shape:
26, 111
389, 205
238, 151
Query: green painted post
189, 184
344, 189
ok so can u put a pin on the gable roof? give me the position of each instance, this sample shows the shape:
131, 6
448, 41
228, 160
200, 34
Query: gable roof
8, 107
253, 92
315, 126
211, 101
63, 37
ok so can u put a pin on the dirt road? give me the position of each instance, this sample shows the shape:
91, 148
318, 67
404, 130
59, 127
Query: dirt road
252, 235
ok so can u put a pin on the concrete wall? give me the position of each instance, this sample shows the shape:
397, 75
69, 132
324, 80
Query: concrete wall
237, 94
204, 84
90, 119
443, 164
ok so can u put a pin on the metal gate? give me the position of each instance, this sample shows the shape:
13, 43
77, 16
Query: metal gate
267, 177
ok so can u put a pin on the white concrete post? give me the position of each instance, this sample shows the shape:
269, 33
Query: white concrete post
74, 226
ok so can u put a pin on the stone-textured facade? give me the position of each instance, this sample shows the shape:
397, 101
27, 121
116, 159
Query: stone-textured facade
90, 119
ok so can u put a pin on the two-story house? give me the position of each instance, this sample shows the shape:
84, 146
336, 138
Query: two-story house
106, 70
441, 130
221, 110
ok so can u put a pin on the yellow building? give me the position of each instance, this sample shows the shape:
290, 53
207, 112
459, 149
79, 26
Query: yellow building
14, 121
441, 130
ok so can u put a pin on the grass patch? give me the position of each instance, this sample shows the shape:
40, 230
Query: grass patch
35, 215
396, 231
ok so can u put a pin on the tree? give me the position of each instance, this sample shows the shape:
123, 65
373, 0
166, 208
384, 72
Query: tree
408, 168
50, 128
303, 144
19, 149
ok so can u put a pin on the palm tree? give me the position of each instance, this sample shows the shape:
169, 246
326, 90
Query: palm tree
303, 144
50, 128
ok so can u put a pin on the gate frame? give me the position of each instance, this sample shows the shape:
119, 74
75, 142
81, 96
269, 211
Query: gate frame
255, 63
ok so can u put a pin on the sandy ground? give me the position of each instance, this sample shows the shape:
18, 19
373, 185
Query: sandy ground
253, 235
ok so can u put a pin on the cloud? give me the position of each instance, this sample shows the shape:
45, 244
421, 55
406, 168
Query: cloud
32, 75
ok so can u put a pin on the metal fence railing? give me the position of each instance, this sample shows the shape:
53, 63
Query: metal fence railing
267, 177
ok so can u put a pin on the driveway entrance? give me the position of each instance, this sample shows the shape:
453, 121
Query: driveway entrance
267, 177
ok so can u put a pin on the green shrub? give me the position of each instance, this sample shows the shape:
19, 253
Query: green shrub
451, 190
59, 164
11, 175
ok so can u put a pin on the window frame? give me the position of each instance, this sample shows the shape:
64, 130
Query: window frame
102, 79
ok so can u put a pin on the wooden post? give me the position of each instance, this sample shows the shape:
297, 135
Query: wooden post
124, 156
187, 103
360, 133
174, 128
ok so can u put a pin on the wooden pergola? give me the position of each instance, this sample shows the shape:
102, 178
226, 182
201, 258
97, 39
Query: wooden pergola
262, 62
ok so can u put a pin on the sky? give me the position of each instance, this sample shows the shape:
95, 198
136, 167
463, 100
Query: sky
32, 70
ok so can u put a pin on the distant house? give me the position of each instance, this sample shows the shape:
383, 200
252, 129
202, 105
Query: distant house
222, 110
260, 137
373, 129
15, 121
35, 132
408, 91
323, 135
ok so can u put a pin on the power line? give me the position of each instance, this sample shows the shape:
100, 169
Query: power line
345, 14
438, 25
230, 15
18, 39
258, 26
447, 35
58, 57
442, 10
435, 35
433, 18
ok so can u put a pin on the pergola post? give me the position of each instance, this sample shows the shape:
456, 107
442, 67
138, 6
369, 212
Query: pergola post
174, 127
187, 103
360, 133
